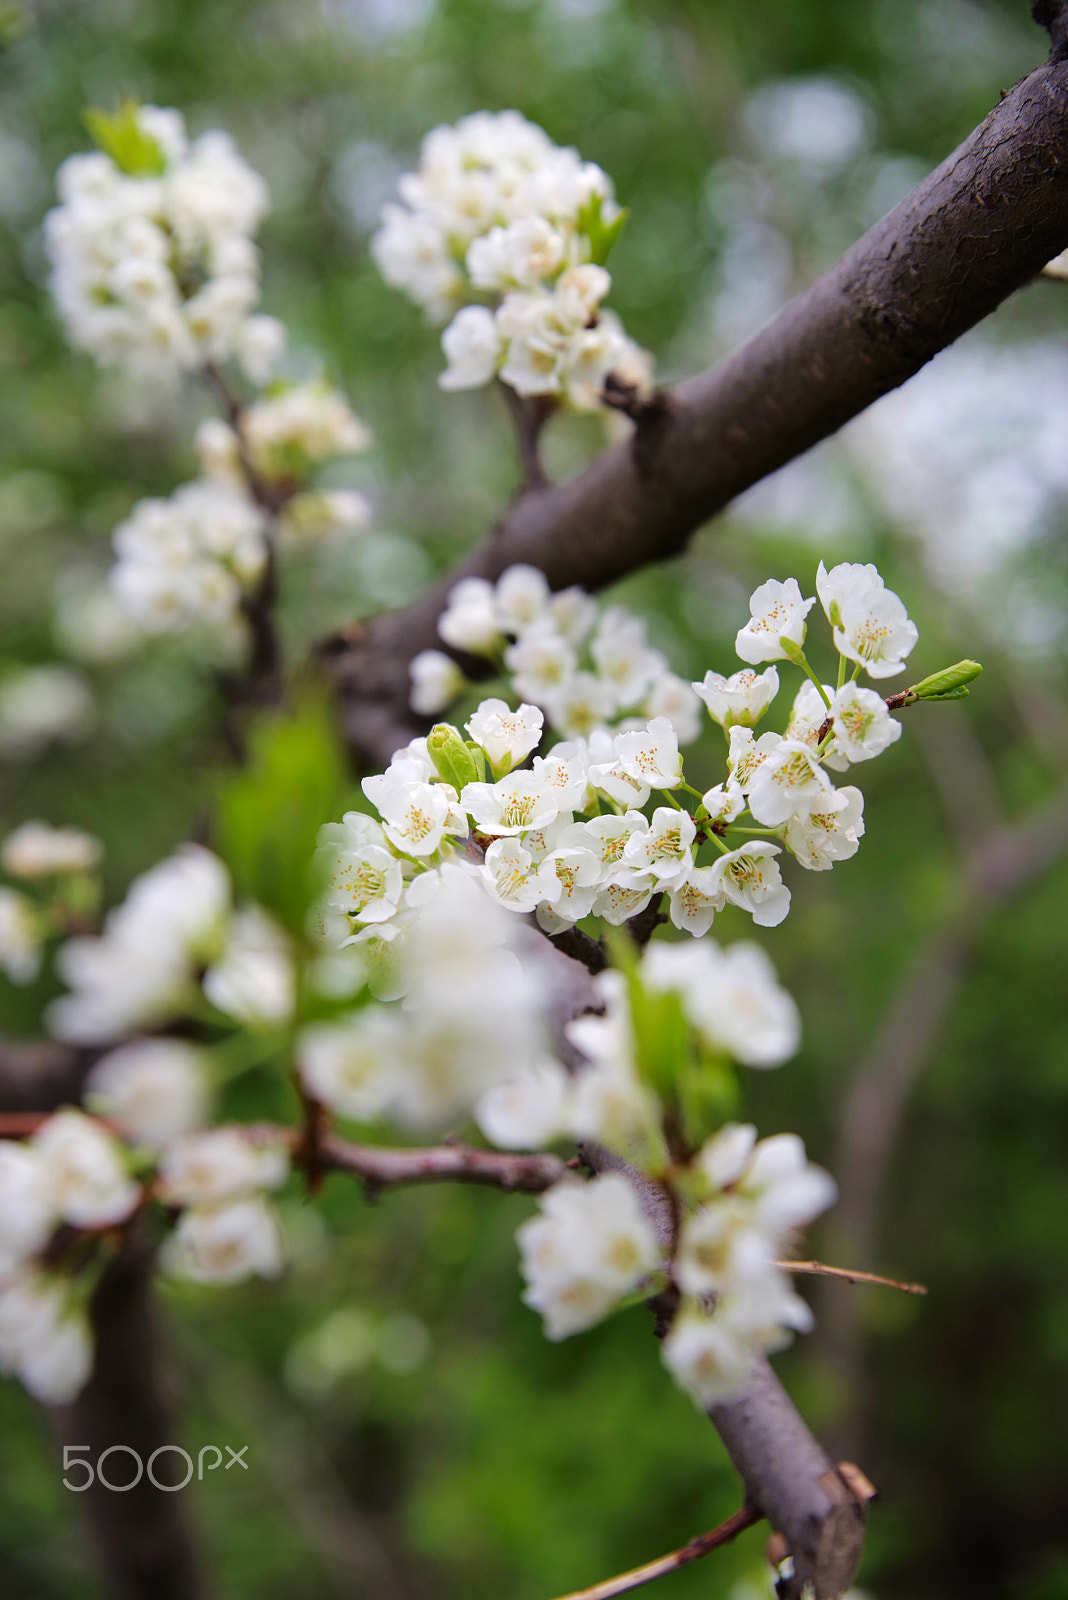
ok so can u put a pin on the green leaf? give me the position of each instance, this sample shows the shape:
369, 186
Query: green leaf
949, 683
270, 812
121, 137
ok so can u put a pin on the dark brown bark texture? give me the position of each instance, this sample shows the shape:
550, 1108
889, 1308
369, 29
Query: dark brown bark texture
977, 229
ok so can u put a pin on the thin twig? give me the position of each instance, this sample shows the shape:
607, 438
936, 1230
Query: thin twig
703, 1545
819, 1269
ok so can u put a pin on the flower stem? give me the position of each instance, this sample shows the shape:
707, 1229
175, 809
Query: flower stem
801, 660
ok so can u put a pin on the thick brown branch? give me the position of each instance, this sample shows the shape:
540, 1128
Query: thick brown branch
977, 229
703, 1545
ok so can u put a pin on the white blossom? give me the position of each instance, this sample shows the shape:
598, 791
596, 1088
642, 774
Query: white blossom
436, 682
541, 661
304, 424
673, 698
38, 850
581, 705
505, 735
472, 347
777, 611
227, 1243
788, 783
254, 979
517, 256
651, 757
724, 802
807, 716
219, 1164
750, 878
415, 814
661, 849
27, 1216
622, 657
578, 873
82, 1171
693, 903
512, 876
731, 996
512, 805
746, 755
589, 1248
871, 625
151, 1090
863, 727
156, 272
140, 970
345, 1063
820, 838
364, 877
469, 621
742, 698
44, 1337
528, 1111
704, 1357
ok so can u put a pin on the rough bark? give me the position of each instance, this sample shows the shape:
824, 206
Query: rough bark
980, 226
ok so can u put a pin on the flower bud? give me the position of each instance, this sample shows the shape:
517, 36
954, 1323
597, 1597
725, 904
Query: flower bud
949, 684
453, 760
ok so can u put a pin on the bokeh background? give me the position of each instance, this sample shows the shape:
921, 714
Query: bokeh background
410, 1432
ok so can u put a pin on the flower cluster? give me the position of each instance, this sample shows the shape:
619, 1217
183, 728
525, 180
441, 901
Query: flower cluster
190, 560
471, 1015
741, 1203
587, 670
155, 271
175, 937
154, 268
74, 1178
497, 211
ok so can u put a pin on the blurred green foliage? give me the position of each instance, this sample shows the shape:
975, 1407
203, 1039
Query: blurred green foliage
486, 1462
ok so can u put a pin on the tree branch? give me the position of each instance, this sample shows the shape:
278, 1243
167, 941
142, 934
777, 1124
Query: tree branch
382, 1168
978, 228
529, 416
143, 1538
786, 1474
